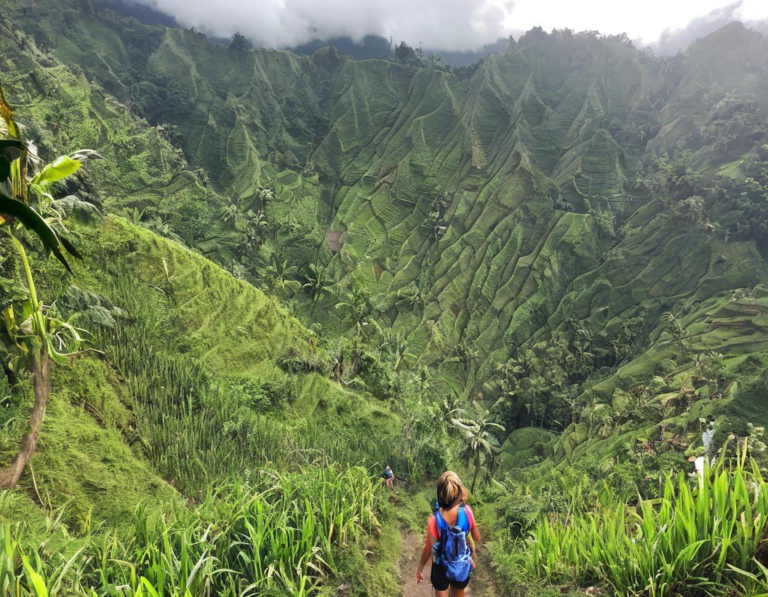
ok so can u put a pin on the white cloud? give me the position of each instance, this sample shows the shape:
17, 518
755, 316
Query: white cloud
456, 24
447, 24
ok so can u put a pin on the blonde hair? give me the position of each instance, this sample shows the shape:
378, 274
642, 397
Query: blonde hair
450, 490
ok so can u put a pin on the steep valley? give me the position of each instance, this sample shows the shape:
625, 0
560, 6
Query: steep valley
300, 266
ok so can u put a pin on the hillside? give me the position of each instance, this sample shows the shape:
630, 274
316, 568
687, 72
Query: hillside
192, 381
568, 239
203, 381
475, 212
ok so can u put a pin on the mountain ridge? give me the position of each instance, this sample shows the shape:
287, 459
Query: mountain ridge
473, 208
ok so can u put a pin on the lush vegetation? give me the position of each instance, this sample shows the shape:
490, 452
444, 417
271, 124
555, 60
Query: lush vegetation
279, 537
546, 269
266, 500
699, 536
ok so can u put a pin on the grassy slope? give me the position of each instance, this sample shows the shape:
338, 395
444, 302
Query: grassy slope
90, 461
230, 326
559, 122
90, 457
84, 463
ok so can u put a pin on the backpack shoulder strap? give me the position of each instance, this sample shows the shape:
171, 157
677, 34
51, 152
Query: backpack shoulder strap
462, 520
441, 528
441, 525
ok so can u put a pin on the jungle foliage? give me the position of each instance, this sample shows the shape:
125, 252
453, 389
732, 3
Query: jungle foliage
546, 268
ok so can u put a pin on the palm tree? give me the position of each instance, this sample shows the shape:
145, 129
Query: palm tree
264, 196
676, 329
291, 225
711, 366
401, 350
516, 368
415, 297
239, 271
537, 391
467, 356
449, 408
315, 284
336, 356
258, 221
280, 276
395, 345
359, 309
479, 442
581, 347
230, 212
256, 228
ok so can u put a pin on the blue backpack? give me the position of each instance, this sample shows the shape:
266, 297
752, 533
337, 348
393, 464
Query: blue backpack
451, 551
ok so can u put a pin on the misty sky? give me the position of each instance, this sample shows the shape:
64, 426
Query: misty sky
666, 25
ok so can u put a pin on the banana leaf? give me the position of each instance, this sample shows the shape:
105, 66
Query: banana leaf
62, 168
36, 224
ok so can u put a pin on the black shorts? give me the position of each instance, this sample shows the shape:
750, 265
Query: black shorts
441, 582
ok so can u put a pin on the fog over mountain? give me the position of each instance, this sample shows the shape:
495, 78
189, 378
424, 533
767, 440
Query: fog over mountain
672, 41
459, 25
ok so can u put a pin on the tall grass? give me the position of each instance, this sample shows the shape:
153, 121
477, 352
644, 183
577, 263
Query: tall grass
197, 430
282, 537
359, 447
197, 427
700, 537
193, 430
273, 502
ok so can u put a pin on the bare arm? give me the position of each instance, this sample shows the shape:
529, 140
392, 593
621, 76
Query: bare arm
475, 534
474, 538
425, 555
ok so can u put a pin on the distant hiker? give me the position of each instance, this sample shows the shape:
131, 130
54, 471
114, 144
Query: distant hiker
389, 478
452, 537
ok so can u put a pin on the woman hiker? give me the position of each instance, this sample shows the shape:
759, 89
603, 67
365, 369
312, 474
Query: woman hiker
452, 538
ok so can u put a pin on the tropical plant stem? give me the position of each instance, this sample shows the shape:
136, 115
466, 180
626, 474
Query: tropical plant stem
27, 271
40, 365
38, 321
41, 374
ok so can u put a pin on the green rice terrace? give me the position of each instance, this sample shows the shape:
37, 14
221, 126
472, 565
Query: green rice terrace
237, 283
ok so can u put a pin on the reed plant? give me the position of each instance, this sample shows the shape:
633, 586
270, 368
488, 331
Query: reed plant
192, 429
700, 537
281, 536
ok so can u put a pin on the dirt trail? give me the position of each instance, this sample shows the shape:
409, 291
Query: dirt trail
480, 585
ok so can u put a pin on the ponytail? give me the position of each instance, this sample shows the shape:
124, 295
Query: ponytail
450, 490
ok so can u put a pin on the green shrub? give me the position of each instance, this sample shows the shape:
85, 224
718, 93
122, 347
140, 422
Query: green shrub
279, 536
701, 536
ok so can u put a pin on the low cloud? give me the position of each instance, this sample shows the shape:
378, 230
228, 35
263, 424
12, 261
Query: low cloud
452, 25
444, 24
673, 41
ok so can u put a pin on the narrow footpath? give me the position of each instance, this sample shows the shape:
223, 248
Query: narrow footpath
479, 586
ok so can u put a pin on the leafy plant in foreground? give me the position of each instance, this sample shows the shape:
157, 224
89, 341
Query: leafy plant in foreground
28, 331
280, 536
700, 537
